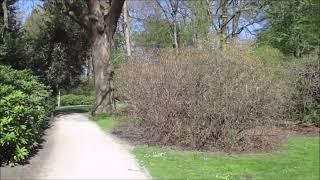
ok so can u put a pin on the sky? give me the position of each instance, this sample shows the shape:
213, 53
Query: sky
25, 7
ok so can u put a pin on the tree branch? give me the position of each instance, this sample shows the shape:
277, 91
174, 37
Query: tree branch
111, 19
77, 14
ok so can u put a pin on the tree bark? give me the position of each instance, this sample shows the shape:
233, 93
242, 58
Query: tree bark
224, 17
100, 19
127, 28
5, 18
175, 34
103, 73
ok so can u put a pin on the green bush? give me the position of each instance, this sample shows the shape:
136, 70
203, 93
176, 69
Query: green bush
25, 107
72, 99
86, 87
304, 75
272, 59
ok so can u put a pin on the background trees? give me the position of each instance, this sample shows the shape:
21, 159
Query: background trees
55, 48
292, 26
56, 40
189, 91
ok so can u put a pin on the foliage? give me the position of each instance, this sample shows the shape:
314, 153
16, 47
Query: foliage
198, 29
199, 99
292, 26
55, 48
272, 58
86, 87
25, 109
157, 34
9, 54
299, 159
71, 99
304, 77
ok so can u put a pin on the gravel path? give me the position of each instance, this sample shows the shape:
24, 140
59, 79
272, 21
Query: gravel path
76, 148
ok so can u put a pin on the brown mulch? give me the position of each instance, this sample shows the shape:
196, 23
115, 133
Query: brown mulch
267, 139
301, 129
259, 139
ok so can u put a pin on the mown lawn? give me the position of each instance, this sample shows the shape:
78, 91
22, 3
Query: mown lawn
106, 122
298, 159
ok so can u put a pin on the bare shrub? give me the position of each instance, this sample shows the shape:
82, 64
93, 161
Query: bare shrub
198, 99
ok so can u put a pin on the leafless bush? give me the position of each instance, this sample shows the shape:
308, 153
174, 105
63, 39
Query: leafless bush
198, 99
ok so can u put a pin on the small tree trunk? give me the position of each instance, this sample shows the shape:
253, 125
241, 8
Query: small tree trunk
224, 16
175, 34
59, 98
103, 73
127, 28
89, 65
5, 18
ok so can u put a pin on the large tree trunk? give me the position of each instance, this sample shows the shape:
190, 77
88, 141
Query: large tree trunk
103, 73
100, 19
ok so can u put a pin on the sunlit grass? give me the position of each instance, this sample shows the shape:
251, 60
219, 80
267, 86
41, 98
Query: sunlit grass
298, 159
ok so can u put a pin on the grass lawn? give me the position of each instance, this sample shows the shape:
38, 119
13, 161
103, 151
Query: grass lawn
106, 122
298, 159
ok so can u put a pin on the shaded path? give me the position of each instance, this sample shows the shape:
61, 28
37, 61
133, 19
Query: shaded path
77, 148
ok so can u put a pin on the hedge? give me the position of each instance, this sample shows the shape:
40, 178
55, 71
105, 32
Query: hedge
25, 108
72, 99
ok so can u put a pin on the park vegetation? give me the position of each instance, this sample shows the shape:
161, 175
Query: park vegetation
26, 107
200, 74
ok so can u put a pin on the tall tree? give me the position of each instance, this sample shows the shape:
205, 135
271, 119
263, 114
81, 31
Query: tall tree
9, 31
170, 10
99, 18
293, 26
54, 47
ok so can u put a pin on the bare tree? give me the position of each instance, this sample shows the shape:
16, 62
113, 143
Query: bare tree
170, 11
99, 18
231, 17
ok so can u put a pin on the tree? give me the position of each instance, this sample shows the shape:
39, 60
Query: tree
9, 32
5, 13
126, 23
292, 26
100, 19
54, 48
156, 34
170, 10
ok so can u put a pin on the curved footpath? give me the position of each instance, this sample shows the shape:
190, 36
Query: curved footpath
76, 148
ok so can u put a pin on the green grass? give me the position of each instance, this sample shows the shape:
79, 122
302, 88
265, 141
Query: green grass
298, 159
106, 122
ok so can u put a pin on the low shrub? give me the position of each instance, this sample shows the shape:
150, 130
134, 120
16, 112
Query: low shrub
86, 87
72, 99
198, 98
304, 75
25, 108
